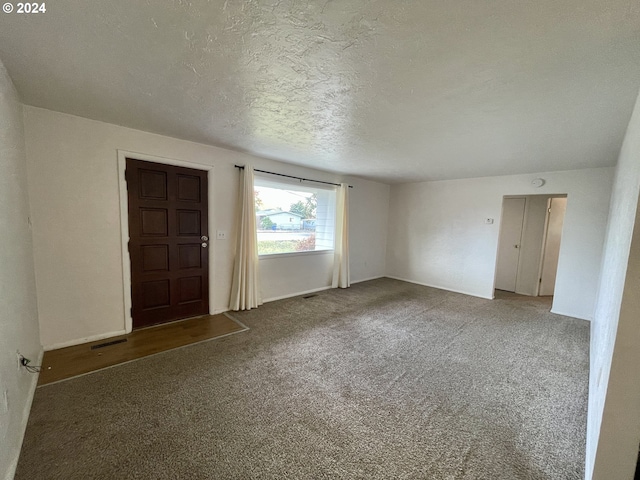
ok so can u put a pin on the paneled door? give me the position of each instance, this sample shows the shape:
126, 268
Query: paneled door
168, 242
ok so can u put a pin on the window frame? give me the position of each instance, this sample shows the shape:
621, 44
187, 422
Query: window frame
264, 180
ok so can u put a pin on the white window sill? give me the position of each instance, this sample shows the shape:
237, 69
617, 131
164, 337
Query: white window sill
268, 256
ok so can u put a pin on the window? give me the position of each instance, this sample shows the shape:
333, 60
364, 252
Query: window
292, 217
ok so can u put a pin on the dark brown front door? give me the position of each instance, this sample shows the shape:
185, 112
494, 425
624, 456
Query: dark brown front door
168, 243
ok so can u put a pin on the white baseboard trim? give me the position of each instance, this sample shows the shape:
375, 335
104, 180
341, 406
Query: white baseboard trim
306, 292
367, 279
565, 314
289, 295
78, 341
441, 288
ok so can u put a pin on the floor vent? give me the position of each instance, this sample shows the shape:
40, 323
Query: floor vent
108, 344
310, 296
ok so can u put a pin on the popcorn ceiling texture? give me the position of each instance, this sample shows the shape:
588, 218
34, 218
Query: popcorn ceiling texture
394, 91
385, 379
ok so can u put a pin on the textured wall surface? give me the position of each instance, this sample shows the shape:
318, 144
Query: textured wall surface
18, 312
409, 91
612, 387
437, 235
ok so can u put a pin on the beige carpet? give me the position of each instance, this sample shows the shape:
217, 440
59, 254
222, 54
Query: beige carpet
382, 380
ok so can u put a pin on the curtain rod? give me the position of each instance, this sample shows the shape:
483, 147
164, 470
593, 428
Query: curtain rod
241, 167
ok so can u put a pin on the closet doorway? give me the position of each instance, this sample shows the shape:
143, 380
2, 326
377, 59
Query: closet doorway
529, 244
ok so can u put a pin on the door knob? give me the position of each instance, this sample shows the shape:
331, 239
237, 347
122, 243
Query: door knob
204, 244
204, 238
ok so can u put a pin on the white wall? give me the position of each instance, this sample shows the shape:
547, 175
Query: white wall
368, 217
73, 183
437, 235
312, 272
18, 312
614, 373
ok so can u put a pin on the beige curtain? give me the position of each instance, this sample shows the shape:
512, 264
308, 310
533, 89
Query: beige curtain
245, 286
341, 277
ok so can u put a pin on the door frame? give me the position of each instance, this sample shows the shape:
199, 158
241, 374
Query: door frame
524, 225
124, 222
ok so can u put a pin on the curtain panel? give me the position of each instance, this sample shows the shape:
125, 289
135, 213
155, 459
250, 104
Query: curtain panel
245, 285
341, 275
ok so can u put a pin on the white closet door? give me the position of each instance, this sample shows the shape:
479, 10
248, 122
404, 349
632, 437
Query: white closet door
552, 245
510, 243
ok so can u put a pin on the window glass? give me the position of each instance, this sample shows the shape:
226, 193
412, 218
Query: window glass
293, 217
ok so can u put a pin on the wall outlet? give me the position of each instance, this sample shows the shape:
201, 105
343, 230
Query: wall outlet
488, 221
221, 234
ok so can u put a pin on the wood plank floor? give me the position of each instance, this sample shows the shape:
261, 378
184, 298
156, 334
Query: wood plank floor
80, 359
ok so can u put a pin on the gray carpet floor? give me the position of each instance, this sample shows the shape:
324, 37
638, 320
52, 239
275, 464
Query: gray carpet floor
382, 380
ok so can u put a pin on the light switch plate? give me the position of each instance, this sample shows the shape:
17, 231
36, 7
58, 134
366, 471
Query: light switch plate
221, 234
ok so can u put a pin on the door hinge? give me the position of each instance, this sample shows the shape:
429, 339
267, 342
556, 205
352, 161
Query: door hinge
131, 311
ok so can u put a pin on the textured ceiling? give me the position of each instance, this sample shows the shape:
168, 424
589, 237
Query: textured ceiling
389, 90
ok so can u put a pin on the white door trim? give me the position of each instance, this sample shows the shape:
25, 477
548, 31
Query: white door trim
124, 222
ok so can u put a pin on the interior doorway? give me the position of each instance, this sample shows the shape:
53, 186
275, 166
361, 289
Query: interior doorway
529, 244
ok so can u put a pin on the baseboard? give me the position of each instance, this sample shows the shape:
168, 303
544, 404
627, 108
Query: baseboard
25, 414
289, 295
441, 288
313, 290
103, 336
367, 279
78, 341
565, 314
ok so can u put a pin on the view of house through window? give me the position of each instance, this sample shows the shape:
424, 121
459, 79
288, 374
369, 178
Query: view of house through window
292, 217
